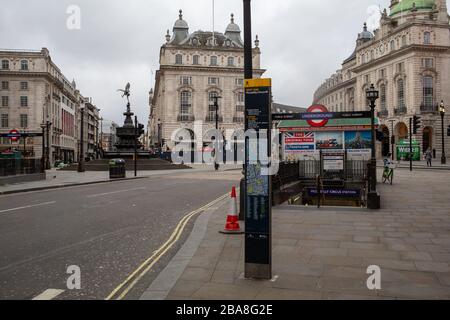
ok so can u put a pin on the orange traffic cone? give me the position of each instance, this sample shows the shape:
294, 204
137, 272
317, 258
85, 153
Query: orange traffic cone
232, 225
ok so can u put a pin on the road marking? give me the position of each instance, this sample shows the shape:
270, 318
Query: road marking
48, 294
125, 287
114, 192
30, 206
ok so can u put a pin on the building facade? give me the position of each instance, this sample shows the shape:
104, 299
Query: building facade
35, 92
108, 135
194, 69
408, 61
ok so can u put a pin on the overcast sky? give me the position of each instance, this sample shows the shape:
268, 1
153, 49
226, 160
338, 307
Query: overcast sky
302, 42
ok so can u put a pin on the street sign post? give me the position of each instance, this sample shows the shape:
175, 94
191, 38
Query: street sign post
258, 202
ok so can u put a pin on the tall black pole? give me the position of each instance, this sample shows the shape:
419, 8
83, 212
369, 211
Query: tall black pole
216, 148
248, 74
248, 55
81, 167
135, 144
410, 144
47, 165
43, 148
443, 158
373, 160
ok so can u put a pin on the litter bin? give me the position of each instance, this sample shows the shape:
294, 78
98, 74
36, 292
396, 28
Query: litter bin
117, 169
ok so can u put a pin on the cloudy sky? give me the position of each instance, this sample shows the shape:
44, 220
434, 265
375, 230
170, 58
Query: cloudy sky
303, 42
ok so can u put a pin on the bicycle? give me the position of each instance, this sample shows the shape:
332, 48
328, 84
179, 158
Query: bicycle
388, 172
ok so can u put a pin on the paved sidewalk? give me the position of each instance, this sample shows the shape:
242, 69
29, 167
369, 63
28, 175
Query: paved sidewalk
436, 164
325, 254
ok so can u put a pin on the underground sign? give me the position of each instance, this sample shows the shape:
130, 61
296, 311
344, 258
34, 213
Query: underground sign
322, 119
14, 135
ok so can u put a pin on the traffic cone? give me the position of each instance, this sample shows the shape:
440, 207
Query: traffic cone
232, 225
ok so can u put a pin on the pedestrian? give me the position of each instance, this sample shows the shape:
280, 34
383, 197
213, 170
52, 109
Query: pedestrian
429, 157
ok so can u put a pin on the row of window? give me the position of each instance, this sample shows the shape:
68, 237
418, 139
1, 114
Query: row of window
23, 101
186, 103
23, 65
393, 46
5, 120
212, 62
187, 80
23, 85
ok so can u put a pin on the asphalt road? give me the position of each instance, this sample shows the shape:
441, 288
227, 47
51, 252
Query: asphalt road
107, 230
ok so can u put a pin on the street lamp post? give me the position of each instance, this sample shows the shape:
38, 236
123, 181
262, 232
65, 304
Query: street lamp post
81, 166
442, 112
216, 148
47, 154
373, 198
43, 164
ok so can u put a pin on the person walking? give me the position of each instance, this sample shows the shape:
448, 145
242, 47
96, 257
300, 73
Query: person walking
429, 157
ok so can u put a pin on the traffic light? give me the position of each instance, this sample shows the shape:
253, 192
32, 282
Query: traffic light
448, 131
417, 122
380, 136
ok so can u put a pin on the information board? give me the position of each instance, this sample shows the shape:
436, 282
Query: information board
258, 202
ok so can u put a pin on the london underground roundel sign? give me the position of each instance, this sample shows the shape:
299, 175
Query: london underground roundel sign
318, 108
14, 135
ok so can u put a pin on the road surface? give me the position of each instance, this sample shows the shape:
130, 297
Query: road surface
107, 230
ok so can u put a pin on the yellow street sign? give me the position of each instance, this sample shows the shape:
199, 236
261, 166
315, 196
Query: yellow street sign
256, 83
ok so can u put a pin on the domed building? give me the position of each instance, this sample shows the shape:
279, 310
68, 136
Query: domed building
408, 60
194, 69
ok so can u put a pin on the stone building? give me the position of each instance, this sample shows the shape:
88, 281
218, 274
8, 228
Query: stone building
195, 68
33, 91
408, 61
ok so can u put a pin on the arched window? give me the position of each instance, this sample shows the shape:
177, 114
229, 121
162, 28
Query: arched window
5, 64
428, 91
383, 97
230, 61
178, 59
392, 45
400, 93
186, 103
426, 38
24, 65
403, 41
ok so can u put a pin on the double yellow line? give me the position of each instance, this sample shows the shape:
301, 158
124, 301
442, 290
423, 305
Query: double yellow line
125, 287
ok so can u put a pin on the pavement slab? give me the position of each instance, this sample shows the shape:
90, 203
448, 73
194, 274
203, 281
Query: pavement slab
325, 254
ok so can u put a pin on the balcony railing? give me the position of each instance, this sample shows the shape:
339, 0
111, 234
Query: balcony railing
383, 113
428, 109
238, 119
400, 111
186, 118
240, 108
213, 119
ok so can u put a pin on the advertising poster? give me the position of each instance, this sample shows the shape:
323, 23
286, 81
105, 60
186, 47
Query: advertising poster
404, 149
358, 140
329, 141
298, 142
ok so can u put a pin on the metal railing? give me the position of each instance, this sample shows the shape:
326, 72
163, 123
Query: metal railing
13, 167
400, 110
428, 109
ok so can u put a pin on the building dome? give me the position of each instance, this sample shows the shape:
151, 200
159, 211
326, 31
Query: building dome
407, 5
366, 35
232, 27
180, 23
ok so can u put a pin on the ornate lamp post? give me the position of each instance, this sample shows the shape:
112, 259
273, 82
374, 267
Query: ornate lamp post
43, 162
442, 112
216, 152
373, 198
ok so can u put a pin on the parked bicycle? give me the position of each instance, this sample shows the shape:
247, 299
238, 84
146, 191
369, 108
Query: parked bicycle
388, 172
